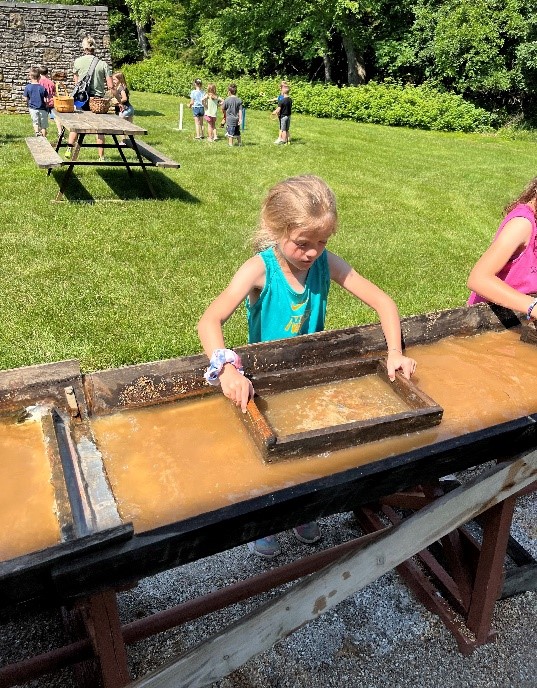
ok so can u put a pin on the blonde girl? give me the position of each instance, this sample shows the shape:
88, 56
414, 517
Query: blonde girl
197, 94
211, 102
123, 106
285, 286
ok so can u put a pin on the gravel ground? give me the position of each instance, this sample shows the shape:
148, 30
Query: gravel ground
379, 638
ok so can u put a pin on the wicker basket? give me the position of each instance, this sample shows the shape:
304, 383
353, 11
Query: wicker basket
63, 102
99, 106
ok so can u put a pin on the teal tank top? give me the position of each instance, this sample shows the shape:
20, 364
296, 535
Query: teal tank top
281, 312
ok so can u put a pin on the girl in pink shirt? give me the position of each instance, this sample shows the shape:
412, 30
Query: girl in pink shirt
506, 273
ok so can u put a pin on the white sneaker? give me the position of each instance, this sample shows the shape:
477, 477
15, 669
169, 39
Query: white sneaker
278, 142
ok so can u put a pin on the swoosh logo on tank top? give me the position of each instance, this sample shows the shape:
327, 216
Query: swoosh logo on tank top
296, 306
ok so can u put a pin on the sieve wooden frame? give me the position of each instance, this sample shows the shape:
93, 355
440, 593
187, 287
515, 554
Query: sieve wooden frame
423, 412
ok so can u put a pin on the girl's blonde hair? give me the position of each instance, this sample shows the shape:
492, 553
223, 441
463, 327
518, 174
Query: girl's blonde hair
305, 202
121, 78
529, 194
211, 89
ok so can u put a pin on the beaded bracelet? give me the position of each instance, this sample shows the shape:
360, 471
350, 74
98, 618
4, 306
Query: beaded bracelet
218, 360
530, 308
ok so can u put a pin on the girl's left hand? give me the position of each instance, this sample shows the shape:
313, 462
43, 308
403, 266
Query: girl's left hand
397, 361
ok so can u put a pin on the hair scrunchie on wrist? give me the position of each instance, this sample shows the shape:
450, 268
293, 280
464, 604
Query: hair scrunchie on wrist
530, 309
218, 360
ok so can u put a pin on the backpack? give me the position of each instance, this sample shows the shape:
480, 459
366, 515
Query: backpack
80, 93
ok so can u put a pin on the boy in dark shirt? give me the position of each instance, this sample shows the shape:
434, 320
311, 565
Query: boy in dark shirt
283, 111
36, 97
232, 109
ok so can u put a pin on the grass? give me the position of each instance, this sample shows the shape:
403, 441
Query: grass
112, 277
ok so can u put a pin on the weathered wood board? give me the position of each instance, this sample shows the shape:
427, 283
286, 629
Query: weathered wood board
155, 156
125, 560
43, 153
421, 412
50, 398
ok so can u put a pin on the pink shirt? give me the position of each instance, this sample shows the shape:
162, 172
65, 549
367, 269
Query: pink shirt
520, 273
50, 88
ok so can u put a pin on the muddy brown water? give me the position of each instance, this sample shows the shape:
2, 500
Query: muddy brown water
177, 460
27, 507
327, 405
173, 461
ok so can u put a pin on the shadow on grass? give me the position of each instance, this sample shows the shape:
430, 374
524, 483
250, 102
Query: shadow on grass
136, 186
11, 138
75, 191
149, 113
127, 187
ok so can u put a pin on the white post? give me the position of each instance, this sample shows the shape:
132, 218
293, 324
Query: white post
180, 116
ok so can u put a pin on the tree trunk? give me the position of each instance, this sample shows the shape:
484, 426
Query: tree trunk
327, 69
142, 39
355, 68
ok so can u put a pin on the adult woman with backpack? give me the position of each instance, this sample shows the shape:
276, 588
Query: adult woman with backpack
97, 74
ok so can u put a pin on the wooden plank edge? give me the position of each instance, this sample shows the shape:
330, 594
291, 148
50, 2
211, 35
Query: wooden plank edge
221, 654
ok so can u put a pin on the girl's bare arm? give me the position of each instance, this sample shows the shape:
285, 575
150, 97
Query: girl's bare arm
483, 278
345, 275
249, 276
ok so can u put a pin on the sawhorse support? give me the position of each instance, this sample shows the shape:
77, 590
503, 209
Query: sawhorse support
468, 575
97, 617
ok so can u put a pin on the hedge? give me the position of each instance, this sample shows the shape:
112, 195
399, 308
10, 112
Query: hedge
392, 104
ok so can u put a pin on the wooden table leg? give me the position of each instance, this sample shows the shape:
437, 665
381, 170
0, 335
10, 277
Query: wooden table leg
490, 568
99, 616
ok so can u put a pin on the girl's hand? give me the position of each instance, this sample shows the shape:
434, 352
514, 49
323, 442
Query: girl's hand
236, 387
396, 361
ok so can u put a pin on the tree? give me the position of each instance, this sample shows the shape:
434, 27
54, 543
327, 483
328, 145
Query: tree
479, 48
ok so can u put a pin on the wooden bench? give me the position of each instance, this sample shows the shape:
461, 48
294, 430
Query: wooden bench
43, 153
152, 154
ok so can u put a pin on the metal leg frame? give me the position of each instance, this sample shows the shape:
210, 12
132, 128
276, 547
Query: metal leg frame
74, 156
122, 154
134, 146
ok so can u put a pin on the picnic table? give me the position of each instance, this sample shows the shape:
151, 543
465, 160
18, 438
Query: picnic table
83, 123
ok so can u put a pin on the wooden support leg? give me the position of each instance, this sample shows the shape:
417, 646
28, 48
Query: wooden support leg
100, 617
490, 572
423, 587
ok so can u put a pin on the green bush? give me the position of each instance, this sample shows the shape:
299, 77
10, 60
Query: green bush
392, 104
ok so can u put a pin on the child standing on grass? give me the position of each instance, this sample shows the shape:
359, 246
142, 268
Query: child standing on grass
211, 102
232, 109
50, 88
283, 112
59, 77
506, 273
285, 286
196, 104
36, 97
49, 85
278, 100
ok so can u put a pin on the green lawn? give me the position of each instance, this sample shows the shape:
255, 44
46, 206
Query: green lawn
113, 277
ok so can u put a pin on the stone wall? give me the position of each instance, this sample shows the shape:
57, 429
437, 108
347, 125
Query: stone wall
35, 34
